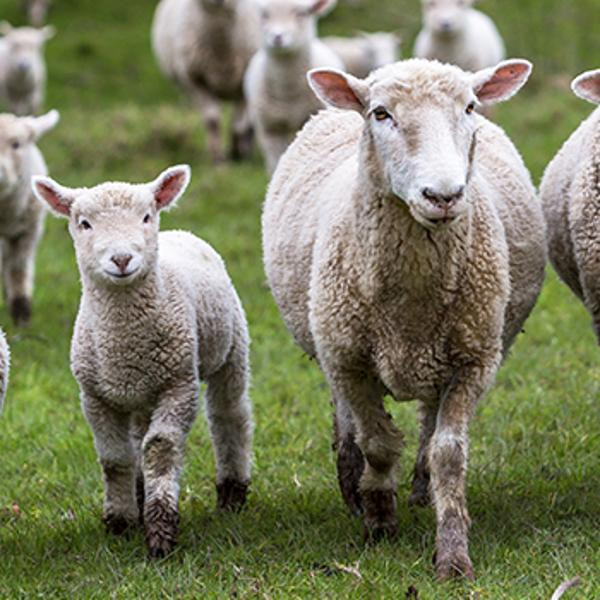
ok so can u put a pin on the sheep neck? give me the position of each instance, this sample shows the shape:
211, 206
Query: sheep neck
286, 73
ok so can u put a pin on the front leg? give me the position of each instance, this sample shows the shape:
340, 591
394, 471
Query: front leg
116, 456
162, 462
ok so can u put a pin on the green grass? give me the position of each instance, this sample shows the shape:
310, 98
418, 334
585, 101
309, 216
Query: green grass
534, 480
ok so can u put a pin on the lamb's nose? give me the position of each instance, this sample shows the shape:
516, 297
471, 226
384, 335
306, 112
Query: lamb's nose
121, 260
445, 197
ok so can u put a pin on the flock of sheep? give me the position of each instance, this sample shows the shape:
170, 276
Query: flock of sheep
403, 239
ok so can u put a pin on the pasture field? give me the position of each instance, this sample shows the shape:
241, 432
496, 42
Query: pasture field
534, 479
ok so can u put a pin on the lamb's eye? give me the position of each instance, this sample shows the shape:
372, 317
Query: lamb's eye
147, 218
381, 114
470, 108
15, 144
85, 224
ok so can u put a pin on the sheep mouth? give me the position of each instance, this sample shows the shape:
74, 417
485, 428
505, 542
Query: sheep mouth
121, 276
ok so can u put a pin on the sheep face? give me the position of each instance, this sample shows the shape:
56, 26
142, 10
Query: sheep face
115, 226
25, 54
17, 135
445, 17
289, 25
419, 135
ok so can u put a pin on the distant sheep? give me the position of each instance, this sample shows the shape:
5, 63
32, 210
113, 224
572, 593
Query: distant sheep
365, 52
570, 193
455, 33
204, 46
22, 216
36, 11
279, 99
405, 246
4, 367
158, 313
22, 68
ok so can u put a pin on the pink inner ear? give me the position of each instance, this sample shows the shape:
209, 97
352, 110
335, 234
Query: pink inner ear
504, 81
53, 198
591, 87
170, 186
336, 90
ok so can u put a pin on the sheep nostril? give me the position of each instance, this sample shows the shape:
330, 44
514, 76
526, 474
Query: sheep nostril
443, 198
122, 261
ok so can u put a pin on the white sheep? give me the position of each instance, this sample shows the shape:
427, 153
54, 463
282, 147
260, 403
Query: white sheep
405, 246
365, 52
158, 313
22, 216
456, 33
22, 67
278, 96
570, 193
4, 367
204, 46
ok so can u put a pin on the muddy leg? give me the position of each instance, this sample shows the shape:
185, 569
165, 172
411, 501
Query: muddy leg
420, 485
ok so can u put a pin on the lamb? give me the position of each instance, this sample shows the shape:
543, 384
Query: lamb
22, 67
279, 99
4, 366
405, 246
570, 193
158, 314
455, 33
204, 46
365, 52
22, 218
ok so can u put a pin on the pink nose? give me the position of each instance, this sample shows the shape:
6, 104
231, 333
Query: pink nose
121, 260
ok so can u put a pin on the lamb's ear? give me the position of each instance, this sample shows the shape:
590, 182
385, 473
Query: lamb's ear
56, 196
48, 32
339, 89
499, 83
40, 125
5, 28
587, 86
320, 7
170, 185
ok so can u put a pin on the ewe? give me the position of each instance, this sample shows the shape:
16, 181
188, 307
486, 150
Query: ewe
22, 67
279, 99
455, 33
22, 217
158, 313
570, 193
204, 46
404, 244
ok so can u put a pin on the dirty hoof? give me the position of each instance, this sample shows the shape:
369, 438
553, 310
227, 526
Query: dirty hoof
161, 523
117, 524
380, 514
231, 494
419, 497
456, 565
20, 311
350, 466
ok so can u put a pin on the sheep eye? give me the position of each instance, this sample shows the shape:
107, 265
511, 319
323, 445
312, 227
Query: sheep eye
15, 145
381, 114
147, 218
85, 224
470, 108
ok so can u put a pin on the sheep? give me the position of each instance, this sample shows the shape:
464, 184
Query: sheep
455, 33
366, 51
4, 367
204, 46
158, 313
405, 246
570, 193
22, 67
22, 218
279, 99
36, 11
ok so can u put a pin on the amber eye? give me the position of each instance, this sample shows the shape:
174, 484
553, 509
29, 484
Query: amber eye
470, 108
381, 114
147, 218
85, 224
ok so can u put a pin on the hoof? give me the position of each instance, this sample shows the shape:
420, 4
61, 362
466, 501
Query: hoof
456, 565
420, 494
20, 311
231, 495
376, 533
161, 523
117, 524
350, 467
380, 514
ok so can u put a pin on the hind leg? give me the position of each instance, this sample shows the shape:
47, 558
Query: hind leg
138, 429
243, 134
420, 485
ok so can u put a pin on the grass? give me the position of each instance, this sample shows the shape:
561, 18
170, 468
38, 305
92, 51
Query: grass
534, 481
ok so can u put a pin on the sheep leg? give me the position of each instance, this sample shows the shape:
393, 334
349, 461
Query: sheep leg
350, 460
273, 146
116, 456
138, 429
229, 415
241, 145
18, 268
211, 113
420, 485
162, 461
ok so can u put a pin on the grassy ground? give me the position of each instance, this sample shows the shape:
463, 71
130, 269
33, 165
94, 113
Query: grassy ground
534, 482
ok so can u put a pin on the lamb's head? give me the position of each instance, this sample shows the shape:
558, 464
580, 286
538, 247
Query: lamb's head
288, 25
115, 225
420, 129
445, 17
25, 51
587, 86
17, 135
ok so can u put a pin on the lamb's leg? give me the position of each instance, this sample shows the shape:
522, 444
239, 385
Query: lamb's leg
18, 269
241, 144
116, 456
420, 486
162, 460
350, 459
139, 427
229, 415
211, 113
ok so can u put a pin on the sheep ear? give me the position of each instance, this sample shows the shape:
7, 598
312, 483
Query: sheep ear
40, 125
5, 28
57, 197
587, 86
499, 83
48, 32
170, 185
321, 7
339, 89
